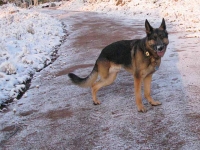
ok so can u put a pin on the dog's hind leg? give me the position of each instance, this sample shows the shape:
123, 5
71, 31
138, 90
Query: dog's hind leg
147, 91
103, 82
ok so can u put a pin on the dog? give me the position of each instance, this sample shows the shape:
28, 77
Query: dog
141, 57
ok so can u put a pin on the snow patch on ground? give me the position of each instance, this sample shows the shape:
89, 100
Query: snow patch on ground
185, 15
27, 42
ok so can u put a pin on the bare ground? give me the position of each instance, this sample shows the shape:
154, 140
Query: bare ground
55, 114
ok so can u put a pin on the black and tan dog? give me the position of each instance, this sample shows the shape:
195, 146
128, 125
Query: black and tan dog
141, 57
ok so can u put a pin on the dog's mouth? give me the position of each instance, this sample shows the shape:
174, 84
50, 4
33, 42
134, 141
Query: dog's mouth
160, 50
161, 53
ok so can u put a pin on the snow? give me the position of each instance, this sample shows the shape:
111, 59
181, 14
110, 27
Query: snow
184, 15
27, 42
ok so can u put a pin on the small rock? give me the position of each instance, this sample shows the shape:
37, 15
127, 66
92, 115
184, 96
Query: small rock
53, 5
25, 95
14, 100
4, 109
20, 104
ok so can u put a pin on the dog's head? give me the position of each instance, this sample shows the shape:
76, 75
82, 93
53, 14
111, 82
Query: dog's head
157, 39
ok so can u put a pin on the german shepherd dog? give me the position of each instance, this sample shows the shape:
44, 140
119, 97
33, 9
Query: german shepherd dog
141, 57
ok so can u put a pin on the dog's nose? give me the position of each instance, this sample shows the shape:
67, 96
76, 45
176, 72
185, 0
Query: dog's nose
160, 47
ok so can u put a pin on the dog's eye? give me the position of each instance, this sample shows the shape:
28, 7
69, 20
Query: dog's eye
166, 34
161, 36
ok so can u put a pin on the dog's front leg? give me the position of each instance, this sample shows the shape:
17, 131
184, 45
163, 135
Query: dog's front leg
147, 91
138, 97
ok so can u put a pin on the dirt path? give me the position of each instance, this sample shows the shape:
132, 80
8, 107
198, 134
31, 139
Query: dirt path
55, 114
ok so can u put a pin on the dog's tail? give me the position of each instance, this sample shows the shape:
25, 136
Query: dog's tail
85, 82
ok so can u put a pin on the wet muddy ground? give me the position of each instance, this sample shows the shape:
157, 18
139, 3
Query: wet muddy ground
55, 114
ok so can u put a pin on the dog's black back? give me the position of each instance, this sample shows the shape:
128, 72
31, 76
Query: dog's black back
118, 52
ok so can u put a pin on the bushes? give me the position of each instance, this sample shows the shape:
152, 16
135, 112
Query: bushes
2, 2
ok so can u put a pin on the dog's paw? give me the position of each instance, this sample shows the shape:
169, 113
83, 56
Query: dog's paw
141, 108
155, 103
97, 102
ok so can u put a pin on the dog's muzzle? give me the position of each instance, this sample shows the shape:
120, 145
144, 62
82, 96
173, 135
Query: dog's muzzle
160, 50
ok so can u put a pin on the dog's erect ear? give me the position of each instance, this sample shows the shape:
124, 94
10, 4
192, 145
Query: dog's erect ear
163, 26
148, 27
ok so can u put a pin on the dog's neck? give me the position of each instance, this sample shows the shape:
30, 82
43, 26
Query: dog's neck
147, 50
